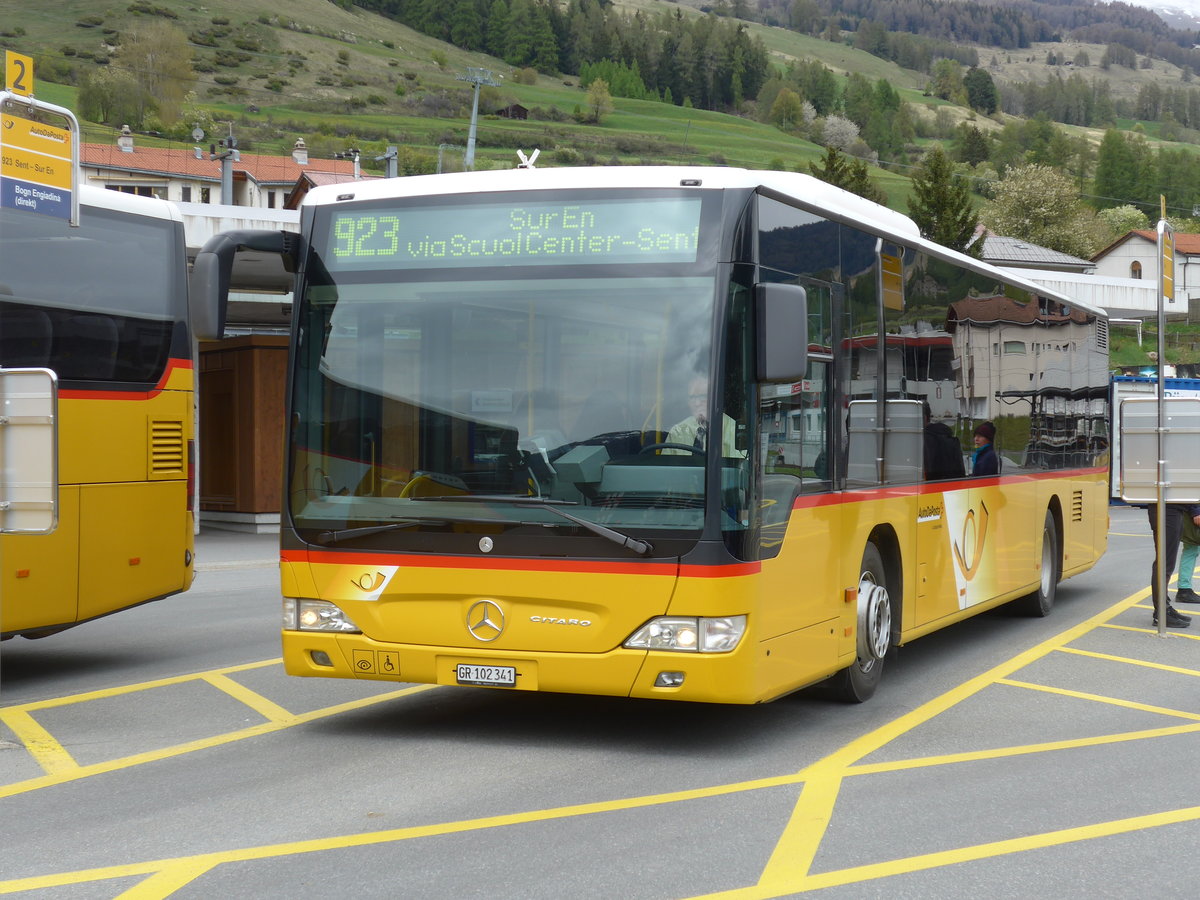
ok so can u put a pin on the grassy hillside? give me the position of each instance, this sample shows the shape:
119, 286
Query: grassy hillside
342, 78
332, 76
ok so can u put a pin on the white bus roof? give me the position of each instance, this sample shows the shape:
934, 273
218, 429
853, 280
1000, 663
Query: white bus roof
817, 195
151, 207
812, 191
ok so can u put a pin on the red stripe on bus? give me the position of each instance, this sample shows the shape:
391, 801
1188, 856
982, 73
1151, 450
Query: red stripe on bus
172, 366
337, 557
862, 495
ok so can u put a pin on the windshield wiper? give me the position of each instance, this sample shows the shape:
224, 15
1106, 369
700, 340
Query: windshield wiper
332, 537
642, 548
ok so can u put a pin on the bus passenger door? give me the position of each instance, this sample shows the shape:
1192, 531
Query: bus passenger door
970, 521
940, 521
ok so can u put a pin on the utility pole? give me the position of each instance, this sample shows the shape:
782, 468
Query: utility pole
227, 158
477, 77
390, 158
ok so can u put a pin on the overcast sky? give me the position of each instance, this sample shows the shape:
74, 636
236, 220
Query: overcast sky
1190, 6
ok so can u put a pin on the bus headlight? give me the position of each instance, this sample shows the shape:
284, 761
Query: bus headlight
685, 633
315, 615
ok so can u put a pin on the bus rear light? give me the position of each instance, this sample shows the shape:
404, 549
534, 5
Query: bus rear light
315, 615
688, 634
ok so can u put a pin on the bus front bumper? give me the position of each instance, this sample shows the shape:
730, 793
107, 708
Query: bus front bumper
708, 678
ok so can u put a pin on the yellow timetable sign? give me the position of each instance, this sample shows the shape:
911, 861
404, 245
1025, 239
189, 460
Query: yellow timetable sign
30, 135
36, 168
893, 281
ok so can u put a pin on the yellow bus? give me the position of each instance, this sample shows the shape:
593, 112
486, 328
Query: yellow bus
105, 307
498, 469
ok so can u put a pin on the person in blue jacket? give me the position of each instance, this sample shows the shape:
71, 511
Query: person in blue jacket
985, 461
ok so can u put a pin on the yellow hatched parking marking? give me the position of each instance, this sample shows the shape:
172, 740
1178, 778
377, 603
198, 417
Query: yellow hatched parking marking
203, 862
138, 759
270, 711
924, 762
1132, 662
788, 869
105, 693
166, 881
1097, 698
45, 750
1000, 848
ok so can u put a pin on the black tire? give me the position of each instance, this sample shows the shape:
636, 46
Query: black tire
1039, 602
857, 682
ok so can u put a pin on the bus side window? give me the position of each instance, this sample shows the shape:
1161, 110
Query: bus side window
24, 337
85, 347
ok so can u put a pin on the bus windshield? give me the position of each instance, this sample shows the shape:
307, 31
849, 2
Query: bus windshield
417, 388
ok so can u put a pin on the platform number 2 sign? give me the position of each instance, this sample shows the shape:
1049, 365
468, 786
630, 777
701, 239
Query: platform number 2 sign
18, 73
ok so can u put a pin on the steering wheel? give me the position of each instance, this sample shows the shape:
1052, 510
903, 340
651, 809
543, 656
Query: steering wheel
672, 446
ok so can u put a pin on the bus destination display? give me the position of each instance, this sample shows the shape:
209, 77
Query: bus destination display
654, 230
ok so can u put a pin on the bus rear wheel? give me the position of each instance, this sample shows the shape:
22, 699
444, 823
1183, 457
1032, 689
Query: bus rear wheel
858, 682
1039, 603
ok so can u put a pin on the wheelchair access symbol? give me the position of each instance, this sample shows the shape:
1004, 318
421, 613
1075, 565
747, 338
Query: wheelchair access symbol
376, 662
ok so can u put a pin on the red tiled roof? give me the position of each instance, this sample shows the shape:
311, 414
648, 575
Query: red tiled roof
999, 308
182, 161
1184, 243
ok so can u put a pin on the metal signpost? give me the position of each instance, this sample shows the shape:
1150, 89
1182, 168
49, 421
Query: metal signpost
1152, 435
39, 162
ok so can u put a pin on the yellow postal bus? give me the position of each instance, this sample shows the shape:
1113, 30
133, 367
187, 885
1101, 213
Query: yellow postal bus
498, 470
104, 306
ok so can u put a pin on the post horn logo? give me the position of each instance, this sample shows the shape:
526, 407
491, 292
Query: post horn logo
980, 535
368, 582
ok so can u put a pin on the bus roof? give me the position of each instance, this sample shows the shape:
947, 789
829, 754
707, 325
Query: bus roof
151, 207
812, 193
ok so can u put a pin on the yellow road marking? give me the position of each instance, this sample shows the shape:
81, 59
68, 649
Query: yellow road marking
272, 712
1097, 698
1151, 631
796, 849
789, 867
997, 848
780, 873
167, 881
143, 686
138, 759
45, 750
1132, 662
922, 762
205, 861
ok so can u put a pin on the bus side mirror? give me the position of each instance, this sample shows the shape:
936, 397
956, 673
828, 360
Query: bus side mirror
270, 260
781, 314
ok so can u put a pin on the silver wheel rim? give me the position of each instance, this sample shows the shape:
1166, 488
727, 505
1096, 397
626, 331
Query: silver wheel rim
874, 622
1047, 563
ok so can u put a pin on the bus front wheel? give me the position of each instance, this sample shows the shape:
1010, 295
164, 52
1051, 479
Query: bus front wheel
858, 682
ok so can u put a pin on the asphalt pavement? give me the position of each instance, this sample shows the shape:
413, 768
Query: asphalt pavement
219, 549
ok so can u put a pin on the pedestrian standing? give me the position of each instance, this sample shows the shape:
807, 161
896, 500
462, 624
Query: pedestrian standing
985, 461
1175, 514
1187, 562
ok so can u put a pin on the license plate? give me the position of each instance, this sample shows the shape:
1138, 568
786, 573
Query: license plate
502, 676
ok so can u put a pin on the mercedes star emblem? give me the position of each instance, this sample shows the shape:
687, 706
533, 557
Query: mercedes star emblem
485, 620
